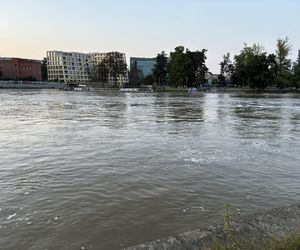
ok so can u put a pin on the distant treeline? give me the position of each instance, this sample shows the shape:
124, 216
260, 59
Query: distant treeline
253, 67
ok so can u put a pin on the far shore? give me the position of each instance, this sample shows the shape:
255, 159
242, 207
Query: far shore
61, 86
31, 85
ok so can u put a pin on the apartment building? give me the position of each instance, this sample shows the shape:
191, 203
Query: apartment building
68, 67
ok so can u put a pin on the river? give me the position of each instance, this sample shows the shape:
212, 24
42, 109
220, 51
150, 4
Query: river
92, 170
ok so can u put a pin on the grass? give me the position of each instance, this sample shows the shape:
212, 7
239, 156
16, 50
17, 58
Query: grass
232, 242
290, 243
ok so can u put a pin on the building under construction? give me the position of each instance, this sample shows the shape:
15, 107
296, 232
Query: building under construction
74, 67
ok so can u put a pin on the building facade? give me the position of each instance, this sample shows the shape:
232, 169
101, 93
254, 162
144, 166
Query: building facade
145, 65
68, 67
20, 69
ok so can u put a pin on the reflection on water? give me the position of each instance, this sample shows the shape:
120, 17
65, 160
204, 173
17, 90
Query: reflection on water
106, 170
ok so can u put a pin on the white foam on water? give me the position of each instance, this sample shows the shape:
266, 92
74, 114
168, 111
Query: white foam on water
195, 156
11, 216
267, 147
200, 208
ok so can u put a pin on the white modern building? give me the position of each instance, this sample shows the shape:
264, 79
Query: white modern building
68, 67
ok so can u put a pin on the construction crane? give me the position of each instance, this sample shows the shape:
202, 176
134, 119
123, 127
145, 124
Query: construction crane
80, 68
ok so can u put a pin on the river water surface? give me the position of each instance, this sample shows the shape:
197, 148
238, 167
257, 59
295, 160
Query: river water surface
109, 170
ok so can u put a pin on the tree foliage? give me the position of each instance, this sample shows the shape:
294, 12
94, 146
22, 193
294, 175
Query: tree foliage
160, 69
284, 64
99, 73
187, 68
112, 65
178, 67
255, 68
136, 77
44, 69
148, 80
296, 72
197, 69
115, 63
226, 69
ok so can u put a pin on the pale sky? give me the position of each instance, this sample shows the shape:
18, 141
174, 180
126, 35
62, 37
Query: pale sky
28, 28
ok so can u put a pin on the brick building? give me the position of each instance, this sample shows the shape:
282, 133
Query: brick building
20, 69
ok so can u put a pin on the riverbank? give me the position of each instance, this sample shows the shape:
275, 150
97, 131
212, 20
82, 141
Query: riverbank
94, 87
263, 230
230, 90
32, 85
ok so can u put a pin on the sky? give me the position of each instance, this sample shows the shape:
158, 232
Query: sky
144, 28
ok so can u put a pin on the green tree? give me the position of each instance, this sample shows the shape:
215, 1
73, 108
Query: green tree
44, 69
99, 73
160, 69
113, 65
253, 67
187, 68
148, 80
136, 77
178, 67
264, 71
284, 64
242, 62
116, 64
226, 70
197, 68
296, 72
